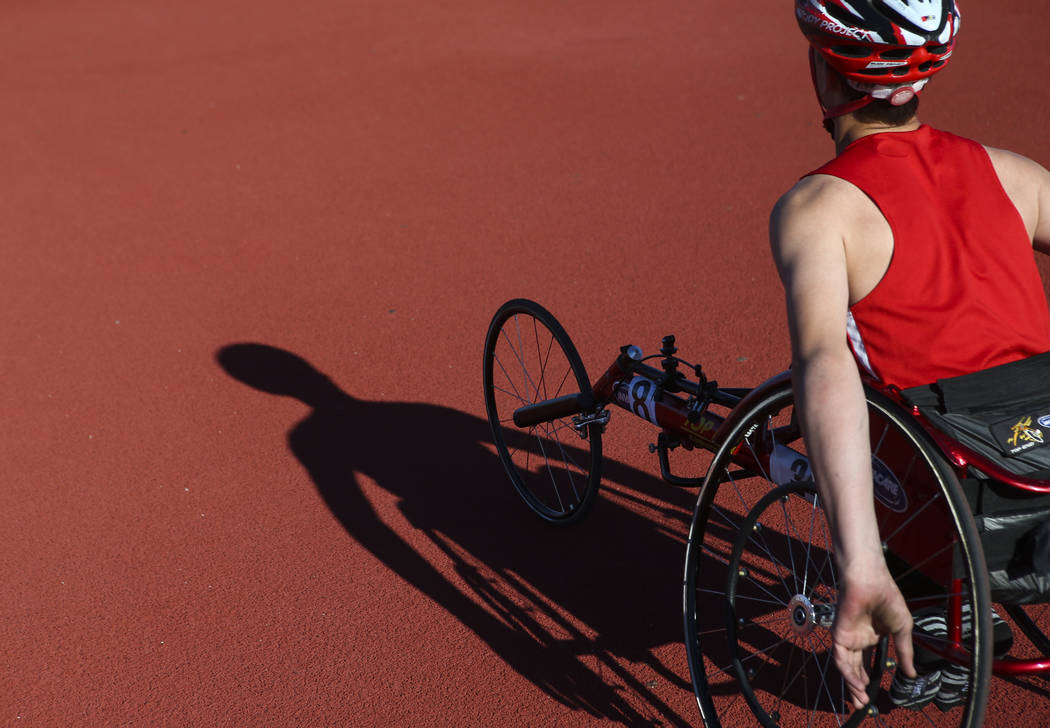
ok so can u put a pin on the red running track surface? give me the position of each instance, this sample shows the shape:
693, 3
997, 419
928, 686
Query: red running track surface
203, 535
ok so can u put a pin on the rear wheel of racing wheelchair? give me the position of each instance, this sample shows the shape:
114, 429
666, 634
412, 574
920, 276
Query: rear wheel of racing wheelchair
761, 588
529, 358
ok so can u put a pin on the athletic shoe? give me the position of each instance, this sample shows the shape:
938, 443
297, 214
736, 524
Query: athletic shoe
918, 692
1002, 635
946, 684
955, 679
955, 687
915, 693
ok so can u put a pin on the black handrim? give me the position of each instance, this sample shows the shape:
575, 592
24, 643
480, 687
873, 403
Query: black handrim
814, 592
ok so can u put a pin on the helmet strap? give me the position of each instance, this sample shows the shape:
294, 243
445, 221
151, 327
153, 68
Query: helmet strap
831, 113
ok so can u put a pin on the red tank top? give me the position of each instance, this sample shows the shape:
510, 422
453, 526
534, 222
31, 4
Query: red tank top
962, 292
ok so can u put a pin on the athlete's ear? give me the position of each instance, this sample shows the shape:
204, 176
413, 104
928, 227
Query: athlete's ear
819, 68
827, 82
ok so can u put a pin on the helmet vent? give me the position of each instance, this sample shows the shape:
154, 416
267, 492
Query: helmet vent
851, 51
937, 50
896, 54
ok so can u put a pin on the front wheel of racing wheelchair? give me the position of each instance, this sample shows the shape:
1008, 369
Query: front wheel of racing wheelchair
761, 589
555, 465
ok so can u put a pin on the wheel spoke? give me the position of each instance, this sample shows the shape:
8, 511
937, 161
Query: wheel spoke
542, 361
717, 555
510, 381
568, 470
550, 471
561, 384
765, 546
543, 365
824, 671
915, 567
791, 550
802, 669
788, 679
912, 517
763, 589
774, 601
521, 350
519, 356
511, 394
783, 505
766, 651
772, 619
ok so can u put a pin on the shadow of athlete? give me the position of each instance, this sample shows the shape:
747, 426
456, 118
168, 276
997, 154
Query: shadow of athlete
565, 600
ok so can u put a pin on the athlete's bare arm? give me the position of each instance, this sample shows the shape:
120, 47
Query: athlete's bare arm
1028, 186
810, 249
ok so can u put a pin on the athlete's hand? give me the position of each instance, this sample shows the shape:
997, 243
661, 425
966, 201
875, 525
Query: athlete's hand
870, 605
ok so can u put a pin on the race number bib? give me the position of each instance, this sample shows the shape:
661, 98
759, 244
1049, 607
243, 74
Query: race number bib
787, 466
638, 396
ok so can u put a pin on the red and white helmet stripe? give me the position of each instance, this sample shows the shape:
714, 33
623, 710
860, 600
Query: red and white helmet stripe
881, 45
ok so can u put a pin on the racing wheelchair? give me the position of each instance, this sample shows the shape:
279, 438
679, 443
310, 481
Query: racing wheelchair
760, 586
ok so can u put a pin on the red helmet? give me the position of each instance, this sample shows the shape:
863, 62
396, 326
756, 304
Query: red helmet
881, 43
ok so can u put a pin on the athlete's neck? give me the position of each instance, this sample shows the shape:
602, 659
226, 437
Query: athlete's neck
848, 130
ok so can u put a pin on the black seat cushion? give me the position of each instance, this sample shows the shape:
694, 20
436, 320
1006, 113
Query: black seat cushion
1002, 413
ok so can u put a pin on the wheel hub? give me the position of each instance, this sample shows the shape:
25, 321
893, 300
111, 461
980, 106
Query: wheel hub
805, 615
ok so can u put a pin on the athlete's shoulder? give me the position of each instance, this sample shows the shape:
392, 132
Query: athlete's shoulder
817, 199
1017, 166
1027, 184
